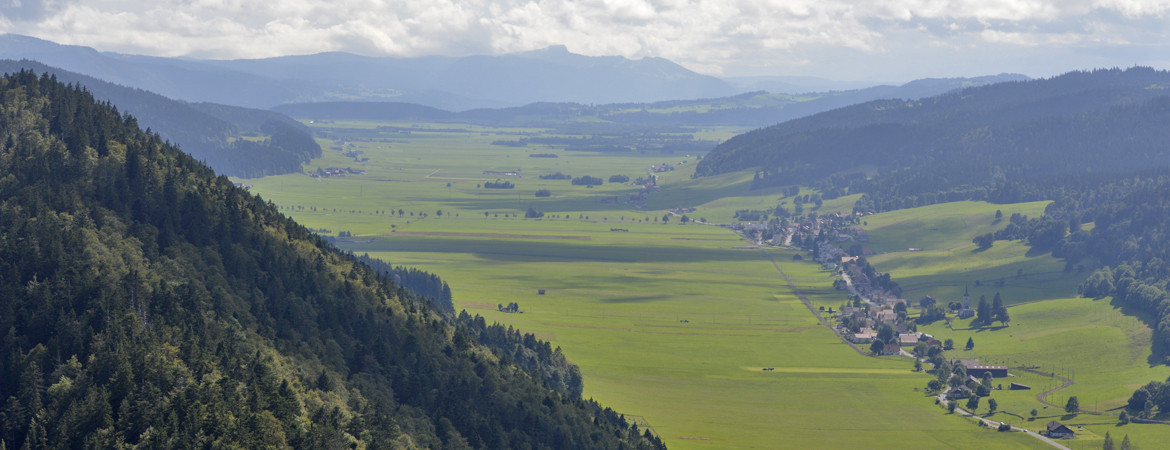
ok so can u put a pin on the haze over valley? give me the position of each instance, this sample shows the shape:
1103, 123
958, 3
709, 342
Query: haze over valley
637, 225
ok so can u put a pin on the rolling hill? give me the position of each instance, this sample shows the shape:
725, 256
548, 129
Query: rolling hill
1066, 125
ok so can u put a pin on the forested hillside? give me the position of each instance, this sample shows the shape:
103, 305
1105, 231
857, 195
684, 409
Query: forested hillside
209, 132
145, 302
1069, 125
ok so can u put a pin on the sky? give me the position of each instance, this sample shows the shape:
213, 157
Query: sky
869, 40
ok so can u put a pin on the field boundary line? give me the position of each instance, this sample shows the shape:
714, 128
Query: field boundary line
1042, 397
808, 304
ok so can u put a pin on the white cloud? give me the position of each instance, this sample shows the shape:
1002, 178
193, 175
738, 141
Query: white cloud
708, 35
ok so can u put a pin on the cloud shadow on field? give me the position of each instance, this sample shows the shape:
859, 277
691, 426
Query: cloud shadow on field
535, 251
636, 299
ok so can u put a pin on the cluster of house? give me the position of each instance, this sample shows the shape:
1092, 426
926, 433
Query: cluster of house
659, 168
649, 186
874, 317
335, 172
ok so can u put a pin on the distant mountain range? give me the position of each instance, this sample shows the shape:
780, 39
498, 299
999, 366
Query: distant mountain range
456, 83
752, 109
452, 83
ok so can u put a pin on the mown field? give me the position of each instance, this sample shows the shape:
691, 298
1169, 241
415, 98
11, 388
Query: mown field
671, 323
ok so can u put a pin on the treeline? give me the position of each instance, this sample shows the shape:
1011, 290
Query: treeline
586, 180
420, 282
526, 351
149, 303
498, 185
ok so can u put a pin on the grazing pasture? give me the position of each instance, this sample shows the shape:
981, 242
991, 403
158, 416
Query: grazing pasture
670, 323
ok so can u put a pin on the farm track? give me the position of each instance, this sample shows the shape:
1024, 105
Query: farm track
1043, 395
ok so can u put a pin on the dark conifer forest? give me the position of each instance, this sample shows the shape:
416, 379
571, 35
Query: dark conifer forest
211, 133
145, 302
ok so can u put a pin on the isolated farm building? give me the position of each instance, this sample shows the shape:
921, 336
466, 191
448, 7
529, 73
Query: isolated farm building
1019, 387
978, 370
958, 392
891, 349
1056, 429
797, 257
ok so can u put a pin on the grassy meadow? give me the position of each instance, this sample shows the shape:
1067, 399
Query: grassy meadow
672, 324
1106, 353
946, 261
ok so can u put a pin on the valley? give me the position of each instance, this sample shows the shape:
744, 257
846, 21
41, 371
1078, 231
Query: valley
674, 324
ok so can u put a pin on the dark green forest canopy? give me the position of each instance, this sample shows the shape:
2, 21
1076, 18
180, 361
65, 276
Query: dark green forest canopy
1080, 123
209, 132
146, 302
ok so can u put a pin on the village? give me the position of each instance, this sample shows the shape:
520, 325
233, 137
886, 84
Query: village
876, 317
335, 172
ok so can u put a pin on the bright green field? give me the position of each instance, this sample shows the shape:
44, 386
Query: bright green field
948, 261
669, 322
1105, 352
616, 304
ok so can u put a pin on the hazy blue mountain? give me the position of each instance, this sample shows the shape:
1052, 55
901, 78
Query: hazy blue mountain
457, 83
796, 84
552, 74
753, 109
179, 79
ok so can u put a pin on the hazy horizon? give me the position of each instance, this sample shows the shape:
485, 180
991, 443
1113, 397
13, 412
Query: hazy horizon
836, 40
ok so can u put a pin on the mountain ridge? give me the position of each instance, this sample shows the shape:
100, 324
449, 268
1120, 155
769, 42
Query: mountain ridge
148, 302
461, 82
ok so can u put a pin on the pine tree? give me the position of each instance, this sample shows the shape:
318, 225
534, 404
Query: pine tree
970, 343
1108, 445
1125, 445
